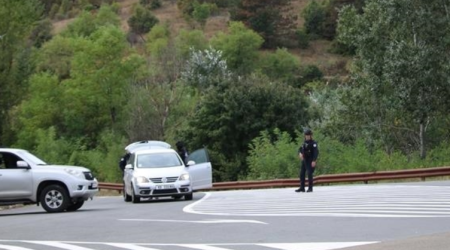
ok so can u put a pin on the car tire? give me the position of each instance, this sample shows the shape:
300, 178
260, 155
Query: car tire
126, 197
135, 198
75, 206
188, 197
54, 198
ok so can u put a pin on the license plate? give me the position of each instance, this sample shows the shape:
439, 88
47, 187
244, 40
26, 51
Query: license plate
164, 186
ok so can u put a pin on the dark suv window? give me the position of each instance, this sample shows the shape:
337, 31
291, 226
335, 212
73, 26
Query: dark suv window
8, 160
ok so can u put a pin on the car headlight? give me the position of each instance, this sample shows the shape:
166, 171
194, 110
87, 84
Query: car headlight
75, 173
184, 177
142, 179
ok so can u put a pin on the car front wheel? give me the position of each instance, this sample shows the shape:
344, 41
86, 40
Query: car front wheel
126, 197
188, 197
54, 199
135, 198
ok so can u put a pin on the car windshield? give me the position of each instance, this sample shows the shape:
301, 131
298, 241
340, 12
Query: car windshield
158, 160
34, 159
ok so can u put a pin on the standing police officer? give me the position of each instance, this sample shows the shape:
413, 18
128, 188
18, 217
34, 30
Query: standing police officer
308, 154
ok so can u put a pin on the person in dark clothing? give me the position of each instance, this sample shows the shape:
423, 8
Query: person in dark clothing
182, 151
308, 153
123, 161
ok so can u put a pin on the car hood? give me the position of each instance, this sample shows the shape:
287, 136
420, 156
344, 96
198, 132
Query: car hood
160, 172
60, 167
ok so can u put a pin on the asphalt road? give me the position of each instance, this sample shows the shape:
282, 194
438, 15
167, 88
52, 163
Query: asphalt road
362, 217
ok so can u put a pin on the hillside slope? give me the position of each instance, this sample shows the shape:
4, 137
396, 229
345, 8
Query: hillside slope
317, 53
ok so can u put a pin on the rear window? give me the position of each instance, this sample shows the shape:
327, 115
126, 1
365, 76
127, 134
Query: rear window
160, 160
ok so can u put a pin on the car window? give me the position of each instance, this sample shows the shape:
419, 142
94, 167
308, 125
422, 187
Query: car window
8, 160
199, 156
159, 160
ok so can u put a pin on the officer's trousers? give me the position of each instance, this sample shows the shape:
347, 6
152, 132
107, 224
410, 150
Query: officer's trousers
306, 167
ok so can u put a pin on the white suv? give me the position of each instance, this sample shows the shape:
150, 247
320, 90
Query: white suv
26, 179
157, 171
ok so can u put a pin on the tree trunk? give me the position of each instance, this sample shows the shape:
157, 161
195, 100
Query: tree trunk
423, 153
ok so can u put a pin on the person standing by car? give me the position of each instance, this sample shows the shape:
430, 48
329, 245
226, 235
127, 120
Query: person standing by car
123, 161
182, 151
308, 153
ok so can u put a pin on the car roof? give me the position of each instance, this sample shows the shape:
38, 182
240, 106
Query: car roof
147, 144
13, 150
154, 151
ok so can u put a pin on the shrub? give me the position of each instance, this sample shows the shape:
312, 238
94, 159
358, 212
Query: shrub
302, 39
142, 21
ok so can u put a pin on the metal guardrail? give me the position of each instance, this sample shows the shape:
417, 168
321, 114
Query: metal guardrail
321, 179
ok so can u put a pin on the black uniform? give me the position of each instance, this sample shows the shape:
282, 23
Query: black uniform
123, 161
182, 151
310, 152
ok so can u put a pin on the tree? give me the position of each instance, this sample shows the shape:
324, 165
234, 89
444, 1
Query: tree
273, 20
233, 113
206, 69
142, 21
402, 66
240, 47
281, 65
18, 20
188, 40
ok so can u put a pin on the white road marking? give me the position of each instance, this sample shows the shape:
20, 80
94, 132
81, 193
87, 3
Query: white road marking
59, 245
200, 221
7, 247
73, 245
389, 201
314, 246
202, 247
130, 246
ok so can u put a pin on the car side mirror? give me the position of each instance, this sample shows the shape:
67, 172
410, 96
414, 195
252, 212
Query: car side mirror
129, 166
190, 163
23, 164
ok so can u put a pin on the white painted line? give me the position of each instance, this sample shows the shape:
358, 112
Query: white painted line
314, 246
130, 246
7, 247
57, 244
200, 221
188, 208
202, 247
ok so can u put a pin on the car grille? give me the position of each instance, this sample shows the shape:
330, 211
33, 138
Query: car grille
168, 179
88, 175
166, 191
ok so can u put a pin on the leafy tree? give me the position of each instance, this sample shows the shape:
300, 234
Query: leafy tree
272, 19
41, 110
314, 14
87, 23
201, 12
18, 20
206, 69
273, 156
280, 65
233, 113
240, 47
158, 40
142, 21
188, 40
42, 33
402, 66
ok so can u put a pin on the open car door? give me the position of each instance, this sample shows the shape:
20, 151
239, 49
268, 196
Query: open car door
201, 171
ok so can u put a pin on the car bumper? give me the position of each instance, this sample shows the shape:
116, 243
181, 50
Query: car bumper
85, 189
163, 189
